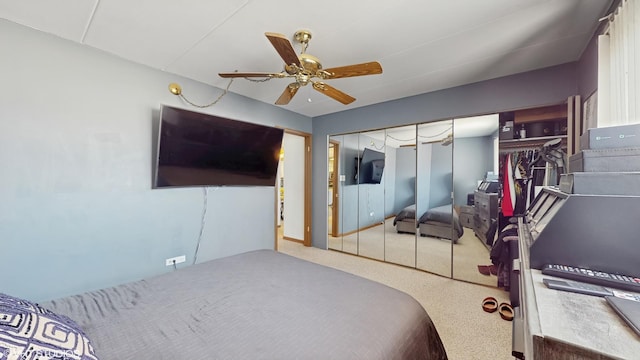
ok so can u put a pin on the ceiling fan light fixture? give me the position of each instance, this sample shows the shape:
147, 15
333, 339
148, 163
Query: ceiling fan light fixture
303, 79
310, 63
305, 67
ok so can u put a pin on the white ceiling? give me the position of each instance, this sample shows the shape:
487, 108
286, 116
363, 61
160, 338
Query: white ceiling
423, 45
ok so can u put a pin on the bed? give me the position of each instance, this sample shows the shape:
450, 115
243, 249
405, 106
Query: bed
256, 305
405, 220
435, 222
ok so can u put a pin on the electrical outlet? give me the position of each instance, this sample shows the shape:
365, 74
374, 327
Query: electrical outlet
175, 260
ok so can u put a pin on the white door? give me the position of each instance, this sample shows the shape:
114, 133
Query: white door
293, 174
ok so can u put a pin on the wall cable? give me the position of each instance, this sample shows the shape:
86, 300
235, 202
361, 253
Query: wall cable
202, 221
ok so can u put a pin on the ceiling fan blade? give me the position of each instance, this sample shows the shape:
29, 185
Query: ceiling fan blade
288, 94
247, 74
284, 48
333, 93
369, 68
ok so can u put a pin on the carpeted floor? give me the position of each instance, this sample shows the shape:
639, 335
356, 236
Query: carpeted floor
454, 306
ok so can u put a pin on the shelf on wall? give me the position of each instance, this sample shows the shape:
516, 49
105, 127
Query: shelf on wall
530, 142
547, 113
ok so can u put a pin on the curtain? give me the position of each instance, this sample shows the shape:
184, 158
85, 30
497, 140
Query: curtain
619, 67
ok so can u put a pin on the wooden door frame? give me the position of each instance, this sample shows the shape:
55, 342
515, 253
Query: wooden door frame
307, 191
335, 210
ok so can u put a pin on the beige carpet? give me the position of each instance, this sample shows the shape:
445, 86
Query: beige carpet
454, 306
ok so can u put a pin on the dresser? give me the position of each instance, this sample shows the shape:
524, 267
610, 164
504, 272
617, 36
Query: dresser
552, 324
466, 215
486, 210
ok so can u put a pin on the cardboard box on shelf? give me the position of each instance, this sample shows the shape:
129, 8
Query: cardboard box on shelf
611, 137
506, 131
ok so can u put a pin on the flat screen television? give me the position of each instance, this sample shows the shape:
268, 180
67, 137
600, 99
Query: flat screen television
371, 167
196, 149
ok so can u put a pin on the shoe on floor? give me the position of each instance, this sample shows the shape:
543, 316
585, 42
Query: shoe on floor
493, 269
490, 304
484, 269
506, 311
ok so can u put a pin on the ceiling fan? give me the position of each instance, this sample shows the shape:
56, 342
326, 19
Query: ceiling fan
306, 68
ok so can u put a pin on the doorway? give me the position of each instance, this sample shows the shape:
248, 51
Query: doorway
293, 190
333, 191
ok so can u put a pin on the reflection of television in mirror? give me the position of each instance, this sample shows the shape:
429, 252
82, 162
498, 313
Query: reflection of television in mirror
196, 149
370, 167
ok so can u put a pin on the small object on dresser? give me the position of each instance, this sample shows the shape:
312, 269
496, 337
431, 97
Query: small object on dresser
523, 132
576, 287
629, 311
616, 281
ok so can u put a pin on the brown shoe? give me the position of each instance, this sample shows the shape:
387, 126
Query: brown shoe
490, 304
484, 269
506, 311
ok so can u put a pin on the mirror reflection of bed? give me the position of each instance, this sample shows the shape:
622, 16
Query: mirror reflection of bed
429, 169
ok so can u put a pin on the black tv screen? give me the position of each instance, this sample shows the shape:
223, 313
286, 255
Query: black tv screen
196, 149
371, 167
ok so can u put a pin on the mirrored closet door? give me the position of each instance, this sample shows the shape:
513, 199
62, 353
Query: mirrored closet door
369, 182
405, 194
434, 186
400, 184
343, 232
475, 158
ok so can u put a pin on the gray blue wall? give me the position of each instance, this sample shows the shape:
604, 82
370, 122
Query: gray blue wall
588, 70
77, 135
541, 87
472, 159
424, 176
390, 178
441, 173
405, 184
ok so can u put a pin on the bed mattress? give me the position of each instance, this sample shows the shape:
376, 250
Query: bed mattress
406, 214
407, 226
444, 215
432, 223
438, 230
256, 305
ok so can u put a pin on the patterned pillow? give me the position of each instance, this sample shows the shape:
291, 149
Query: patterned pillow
28, 331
